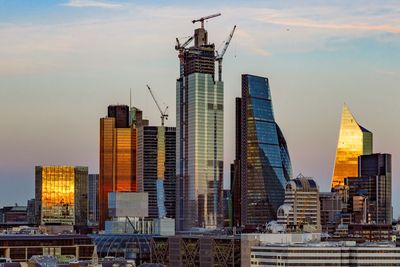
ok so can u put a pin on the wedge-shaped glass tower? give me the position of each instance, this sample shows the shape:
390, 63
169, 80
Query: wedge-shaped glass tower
354, 141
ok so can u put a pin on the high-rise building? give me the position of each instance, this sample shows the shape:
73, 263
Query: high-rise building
156, 169
61, 195
301, 208
199, 137
118, 134
379, 166
235, 167
354, 141
93, 199
265, 162
370, 194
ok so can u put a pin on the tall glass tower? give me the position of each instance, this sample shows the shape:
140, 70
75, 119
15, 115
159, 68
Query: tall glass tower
354, 141
265, 162
199, 137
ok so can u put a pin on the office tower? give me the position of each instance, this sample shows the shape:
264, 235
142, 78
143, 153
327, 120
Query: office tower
379, 166
156, 169
235, 167
331, 211
354, 141
265, 162
199, 137
301, 208
30, 211
93, 196
61, 195
118, 134
370, 194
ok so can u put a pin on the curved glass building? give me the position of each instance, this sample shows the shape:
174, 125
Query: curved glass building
265, 161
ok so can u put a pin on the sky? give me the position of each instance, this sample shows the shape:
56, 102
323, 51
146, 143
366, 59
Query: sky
62, 62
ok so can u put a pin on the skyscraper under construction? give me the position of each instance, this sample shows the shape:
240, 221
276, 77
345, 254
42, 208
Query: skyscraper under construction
199, 134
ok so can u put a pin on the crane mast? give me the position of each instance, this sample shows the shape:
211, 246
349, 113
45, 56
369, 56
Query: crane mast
164, 115
220, 56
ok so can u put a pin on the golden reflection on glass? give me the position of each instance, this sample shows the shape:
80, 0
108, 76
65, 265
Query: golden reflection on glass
58, 188
354, 141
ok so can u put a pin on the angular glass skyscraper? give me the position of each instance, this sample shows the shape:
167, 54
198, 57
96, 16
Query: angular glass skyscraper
199, 137
354, 141
265, 162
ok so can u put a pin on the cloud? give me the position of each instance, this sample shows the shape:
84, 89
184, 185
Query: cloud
91, 3
386, 72
148, 31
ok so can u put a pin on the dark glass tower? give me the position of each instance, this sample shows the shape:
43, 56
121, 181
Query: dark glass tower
235, 167
265, 162
379, 168
93, 196
156, 169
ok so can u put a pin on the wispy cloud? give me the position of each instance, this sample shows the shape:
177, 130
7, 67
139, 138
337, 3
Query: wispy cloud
386, 72
261, 31
91, 3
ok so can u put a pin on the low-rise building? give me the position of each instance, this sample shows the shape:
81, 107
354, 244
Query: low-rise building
196, 250
21, 247
346, 253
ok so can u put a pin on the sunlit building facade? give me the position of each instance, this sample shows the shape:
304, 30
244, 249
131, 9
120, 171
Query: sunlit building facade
265, 162
118, 135
61, 194
199, 137
301, 208
156, 169
354, 141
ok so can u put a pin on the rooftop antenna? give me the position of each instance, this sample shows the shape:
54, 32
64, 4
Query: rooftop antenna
130, 98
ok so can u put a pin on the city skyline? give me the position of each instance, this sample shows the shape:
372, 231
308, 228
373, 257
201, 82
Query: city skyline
56, 78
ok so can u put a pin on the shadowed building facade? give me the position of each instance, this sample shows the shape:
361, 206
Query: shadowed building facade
370, 194
354, 141
118, 135
199, 137
265, 162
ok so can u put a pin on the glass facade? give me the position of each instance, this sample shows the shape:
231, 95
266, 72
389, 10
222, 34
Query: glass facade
61, 194
378, 168
117, 155
156, 169
354, 141
200, 130
93, 199
265, 162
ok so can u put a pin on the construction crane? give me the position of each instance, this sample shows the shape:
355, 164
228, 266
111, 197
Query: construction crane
164, 115
205, 18
180, 46
219, 56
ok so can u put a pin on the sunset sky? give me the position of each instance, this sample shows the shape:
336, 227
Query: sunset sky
63, 62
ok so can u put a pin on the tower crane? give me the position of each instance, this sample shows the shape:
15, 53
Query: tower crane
180, 46
219, 56
164, 115
205, 18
